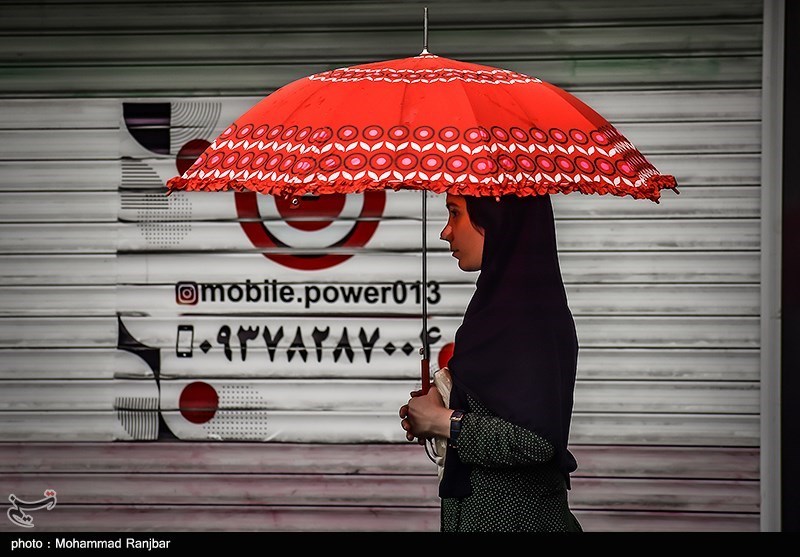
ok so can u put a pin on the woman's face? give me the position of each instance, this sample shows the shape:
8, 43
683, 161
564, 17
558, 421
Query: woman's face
466, 241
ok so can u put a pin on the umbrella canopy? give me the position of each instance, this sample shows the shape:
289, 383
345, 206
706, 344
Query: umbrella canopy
425, 122
428, 123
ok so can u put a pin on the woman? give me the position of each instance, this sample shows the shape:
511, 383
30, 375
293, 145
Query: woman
507, 466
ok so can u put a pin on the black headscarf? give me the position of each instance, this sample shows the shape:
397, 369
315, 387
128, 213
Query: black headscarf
517, 349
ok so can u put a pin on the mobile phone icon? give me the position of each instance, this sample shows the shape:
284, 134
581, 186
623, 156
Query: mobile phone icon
184, 342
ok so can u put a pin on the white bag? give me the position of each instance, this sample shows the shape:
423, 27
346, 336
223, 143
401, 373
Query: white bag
444, 384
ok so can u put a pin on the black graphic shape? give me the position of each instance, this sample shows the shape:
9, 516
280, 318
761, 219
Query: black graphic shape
368, 344
272, 342
224, 338
148, 124
152, 357
344, 344
297, 344
184, 342
244, 335
319, 335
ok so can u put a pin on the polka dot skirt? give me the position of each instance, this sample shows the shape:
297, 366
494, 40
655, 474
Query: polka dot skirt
515, 484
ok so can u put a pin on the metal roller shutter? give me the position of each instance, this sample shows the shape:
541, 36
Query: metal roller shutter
296, 374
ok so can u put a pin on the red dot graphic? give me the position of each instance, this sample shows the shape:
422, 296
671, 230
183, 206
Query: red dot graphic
198, 402
189, 153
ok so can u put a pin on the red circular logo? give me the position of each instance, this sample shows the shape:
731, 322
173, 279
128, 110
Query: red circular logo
312, 216
198, 402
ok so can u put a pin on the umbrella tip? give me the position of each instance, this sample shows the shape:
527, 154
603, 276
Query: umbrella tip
424, 32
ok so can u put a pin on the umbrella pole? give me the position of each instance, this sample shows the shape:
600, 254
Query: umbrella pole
425, 372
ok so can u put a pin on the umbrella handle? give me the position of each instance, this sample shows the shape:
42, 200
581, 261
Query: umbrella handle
425, 373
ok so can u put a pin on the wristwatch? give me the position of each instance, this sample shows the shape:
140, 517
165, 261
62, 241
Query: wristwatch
455, 427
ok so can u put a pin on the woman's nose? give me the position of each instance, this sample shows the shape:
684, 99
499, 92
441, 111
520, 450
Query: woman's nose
445, 233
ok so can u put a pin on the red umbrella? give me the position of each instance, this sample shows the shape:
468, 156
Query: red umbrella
428, 123
425, 122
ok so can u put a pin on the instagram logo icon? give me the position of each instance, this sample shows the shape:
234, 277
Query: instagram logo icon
186, 293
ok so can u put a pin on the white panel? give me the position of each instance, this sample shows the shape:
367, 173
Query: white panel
35, 145
654, 106
61, 300
708, 169
616, 106
387, 396
695, 332
666, 267
690, 137
664, 299
62, 426
682, 364
650, 428
667, 397
58, 207
74, 394
63, 332
58, 238
666, 429
58, 269
70, 114
59, 176
576, 267
72, 364
629, 234
692, 202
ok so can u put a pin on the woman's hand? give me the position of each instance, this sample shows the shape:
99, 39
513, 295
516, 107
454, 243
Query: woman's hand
405, 421
425, 416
